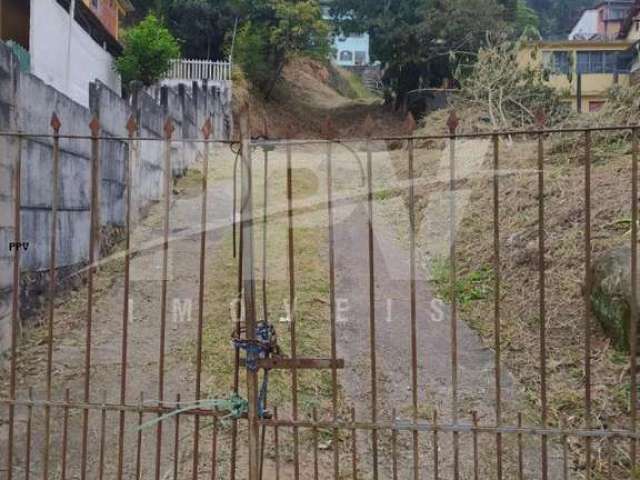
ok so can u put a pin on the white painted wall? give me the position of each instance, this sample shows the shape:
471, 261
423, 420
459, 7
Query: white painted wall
64, 55
351, 44
586, 27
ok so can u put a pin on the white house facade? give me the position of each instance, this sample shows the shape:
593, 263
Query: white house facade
57, 41
351, 50
348, 50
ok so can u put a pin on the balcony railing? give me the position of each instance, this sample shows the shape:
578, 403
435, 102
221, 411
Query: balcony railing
186, 69
24, 58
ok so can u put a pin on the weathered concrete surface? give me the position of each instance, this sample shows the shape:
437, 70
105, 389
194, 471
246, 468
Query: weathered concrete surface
26, 104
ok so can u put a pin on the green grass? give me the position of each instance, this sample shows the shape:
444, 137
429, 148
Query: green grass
348, 84
469, 286
312, 300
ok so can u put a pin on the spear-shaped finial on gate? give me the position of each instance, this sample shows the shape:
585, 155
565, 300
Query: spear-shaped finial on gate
409, 124
132, 126
94, 126
328, 129
541, 118
369, 126
453, 122
168, 128
206, 128
55, 124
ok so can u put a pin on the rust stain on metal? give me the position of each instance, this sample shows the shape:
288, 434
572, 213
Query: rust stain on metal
132, 126
409, 125
453, 122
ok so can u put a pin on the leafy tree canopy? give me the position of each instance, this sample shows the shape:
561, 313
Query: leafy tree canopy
557, 17
415, 39
274, 31
148, 49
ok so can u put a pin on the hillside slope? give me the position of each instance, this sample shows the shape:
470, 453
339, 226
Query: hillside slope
308, 93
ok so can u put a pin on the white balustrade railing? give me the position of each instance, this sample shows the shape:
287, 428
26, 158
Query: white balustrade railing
185, 69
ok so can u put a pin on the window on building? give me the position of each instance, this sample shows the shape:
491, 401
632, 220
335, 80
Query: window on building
94, 3
557, 62
15, 22
617, 14
602, 62
595, 105
346, 56
361, 58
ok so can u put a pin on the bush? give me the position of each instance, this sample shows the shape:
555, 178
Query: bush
508, 94
276, 31
148, 50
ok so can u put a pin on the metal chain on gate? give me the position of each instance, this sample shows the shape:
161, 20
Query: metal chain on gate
264, 346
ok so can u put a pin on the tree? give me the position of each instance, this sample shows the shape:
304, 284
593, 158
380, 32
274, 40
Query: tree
274, 31
526, 18
201, 26
148, 50
419, 41
558, 16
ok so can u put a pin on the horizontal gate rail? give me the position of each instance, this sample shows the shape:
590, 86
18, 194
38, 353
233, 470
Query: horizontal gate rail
443, 426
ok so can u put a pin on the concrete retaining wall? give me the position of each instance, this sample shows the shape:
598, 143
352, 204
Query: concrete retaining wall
26, 104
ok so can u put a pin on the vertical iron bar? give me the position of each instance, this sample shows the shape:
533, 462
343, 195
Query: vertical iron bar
520, 450
65, 435
565, 452
168, 174
292, 320
249, 295
372, 314
332, 312
394, 447
27, 457
103, 425
265, 199
139, 438
436, 456
236, 358
496, 300
214, 448
55, 125
93, 242
354, 446
132, 128
276, 442
633, 334
314, 433
414, 329
206, 131
542, 307
453, 123
476, 458
15, 306
176, 440
265, 310
609, 458
234, 211
587, 299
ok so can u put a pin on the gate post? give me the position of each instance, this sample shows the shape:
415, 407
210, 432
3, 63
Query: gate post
248, 289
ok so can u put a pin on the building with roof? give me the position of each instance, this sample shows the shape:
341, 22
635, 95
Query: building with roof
66, 43
603, 21
584, 70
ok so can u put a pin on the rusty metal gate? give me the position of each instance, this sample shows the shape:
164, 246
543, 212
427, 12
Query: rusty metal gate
59, 425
